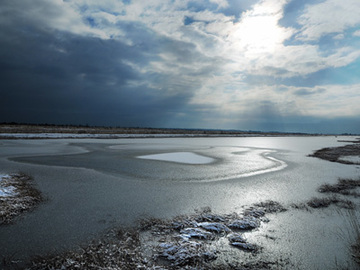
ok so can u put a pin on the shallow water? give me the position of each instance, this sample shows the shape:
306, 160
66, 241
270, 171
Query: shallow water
94, 184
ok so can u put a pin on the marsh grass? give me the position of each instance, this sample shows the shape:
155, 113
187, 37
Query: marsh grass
9, 262
334, 154
351, 233
271, 206
355, 225
25, 198
344, 187
165, 244
117, 249
327, 201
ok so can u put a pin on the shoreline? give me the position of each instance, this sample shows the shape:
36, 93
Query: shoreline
343, 154
187, 241
29, 131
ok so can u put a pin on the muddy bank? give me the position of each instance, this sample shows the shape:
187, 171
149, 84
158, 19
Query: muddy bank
203, 240
184, 242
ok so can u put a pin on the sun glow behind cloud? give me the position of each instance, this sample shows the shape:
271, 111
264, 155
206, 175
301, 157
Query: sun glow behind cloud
258, 31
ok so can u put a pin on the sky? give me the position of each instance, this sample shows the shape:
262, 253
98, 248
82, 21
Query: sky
262, 65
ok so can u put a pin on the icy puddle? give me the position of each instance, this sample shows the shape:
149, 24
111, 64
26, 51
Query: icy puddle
199, 164
180, 157
352, 159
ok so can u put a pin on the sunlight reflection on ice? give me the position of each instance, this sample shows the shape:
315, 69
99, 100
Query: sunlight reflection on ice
231, 162
180, 157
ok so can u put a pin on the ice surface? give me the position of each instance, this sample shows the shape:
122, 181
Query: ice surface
126, 199
353, 159
180, 157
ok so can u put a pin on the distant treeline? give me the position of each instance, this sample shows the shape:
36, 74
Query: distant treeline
13, 127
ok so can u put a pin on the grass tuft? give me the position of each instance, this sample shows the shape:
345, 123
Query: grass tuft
327, 201
355, 225
343, 187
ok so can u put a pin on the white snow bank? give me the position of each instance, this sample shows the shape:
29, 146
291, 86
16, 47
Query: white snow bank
180, 157
6, 190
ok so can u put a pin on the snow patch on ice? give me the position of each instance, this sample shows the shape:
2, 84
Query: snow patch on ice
180, 157
6, 190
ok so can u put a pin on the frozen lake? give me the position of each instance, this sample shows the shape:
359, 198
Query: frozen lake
94, 184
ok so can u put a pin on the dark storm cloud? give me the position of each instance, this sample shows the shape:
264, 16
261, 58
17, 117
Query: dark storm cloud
66, 78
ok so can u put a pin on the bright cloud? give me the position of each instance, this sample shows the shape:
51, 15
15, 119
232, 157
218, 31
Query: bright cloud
258, 31
330, 16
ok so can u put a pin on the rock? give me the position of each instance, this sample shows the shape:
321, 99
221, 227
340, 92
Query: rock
245, 246
177, 225
210, 217
235, 237
181, 224
246, 223
214, 227
255, 213
185, 253
196, 233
